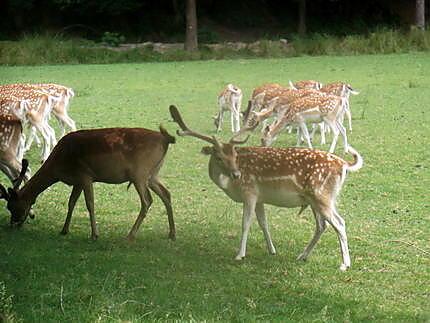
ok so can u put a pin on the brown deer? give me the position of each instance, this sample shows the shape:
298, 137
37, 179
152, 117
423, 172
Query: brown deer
111, 155
285, 177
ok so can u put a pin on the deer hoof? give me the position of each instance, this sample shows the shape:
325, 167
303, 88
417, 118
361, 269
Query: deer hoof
239, 258
302, 257
343, 267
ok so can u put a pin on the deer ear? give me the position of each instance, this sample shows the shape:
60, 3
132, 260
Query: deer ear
207, 150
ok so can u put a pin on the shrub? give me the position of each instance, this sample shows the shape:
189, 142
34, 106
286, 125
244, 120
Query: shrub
46, 49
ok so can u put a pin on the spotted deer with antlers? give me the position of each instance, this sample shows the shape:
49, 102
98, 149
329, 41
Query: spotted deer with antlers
284, 177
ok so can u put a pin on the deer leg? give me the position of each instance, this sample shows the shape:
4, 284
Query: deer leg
51, 133
262, 221
30, 139
322, 130
343, 133
61, 124
164, 195
305, 132
76, 192
320, 226
89, 201
145, 204
63, 120
338, 223
46, 142
220, 120
248, 212
235, 120
335, 131
347, 112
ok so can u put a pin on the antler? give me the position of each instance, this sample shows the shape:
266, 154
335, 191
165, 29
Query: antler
185, 130
3, 193
17, 181
233, 140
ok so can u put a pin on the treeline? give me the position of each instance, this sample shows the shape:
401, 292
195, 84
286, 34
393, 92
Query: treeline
164, 20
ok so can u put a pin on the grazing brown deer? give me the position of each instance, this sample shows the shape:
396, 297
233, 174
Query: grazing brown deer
285, 177
111, 155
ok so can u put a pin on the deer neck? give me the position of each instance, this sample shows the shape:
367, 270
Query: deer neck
43, 179
224, 181
220, 178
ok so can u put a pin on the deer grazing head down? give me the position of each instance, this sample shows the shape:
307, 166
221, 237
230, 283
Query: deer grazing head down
19, 211
108, 155
284, 177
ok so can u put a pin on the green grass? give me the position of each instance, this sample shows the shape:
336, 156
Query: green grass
386, 207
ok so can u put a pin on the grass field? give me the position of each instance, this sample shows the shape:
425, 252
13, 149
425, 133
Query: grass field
195, 278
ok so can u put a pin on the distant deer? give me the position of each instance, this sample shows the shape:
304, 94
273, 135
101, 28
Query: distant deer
285, 177
343, 90
307, 84
230, 99
111, 155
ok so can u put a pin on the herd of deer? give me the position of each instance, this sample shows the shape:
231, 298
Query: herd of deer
253, 176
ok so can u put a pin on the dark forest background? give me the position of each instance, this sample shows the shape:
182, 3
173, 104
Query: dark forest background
218, 20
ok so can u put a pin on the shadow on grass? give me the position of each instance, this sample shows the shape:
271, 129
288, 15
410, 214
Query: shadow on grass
73, 278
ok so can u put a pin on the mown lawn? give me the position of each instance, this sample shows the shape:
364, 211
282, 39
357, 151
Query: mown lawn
386, 206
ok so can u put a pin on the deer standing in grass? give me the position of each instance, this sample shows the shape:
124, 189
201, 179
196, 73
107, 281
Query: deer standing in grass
310, 109
343, 90
36, 116
285, 177
60, 108
230, 99
11, 142
111, 155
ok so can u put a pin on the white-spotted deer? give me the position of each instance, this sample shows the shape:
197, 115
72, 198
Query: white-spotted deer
111, 155
230, 99
306, 84
343, 90
310, 109
11, 142
37, 115
285, 177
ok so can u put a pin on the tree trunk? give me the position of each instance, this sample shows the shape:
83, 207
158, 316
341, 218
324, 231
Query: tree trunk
191, 29
420, 14
302, 17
